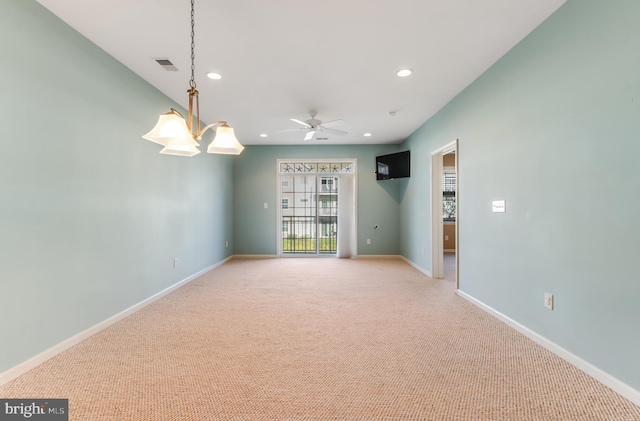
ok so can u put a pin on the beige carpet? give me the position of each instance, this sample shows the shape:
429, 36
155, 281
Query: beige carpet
317, 339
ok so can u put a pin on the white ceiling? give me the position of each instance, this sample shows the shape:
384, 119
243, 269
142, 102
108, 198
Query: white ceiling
282, 58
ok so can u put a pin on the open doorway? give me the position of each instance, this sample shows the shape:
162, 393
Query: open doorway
444, 213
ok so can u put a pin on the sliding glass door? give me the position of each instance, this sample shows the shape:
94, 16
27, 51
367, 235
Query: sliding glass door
311, 194
309, 214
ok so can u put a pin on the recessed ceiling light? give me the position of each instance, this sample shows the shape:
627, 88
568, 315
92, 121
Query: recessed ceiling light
404, 72
214, 75
367, 134
264, 135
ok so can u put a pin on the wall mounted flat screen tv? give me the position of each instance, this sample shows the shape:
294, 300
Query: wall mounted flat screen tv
395, 165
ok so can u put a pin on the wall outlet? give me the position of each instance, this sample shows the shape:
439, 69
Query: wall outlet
446, 238
175, 262
548, 300
368, 240
266, 205
226, 243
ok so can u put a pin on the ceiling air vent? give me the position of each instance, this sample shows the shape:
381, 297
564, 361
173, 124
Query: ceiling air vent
166, 64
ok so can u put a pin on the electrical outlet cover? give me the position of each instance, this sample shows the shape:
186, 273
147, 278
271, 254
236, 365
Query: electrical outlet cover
548, 300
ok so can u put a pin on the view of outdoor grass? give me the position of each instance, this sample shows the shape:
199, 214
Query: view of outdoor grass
308, 245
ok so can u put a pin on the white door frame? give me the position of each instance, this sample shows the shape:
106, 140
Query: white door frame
437, 241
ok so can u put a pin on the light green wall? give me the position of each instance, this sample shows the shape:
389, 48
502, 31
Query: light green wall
91, 216
255, 184
553, 128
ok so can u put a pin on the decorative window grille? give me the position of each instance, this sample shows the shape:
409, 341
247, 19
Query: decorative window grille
316, 167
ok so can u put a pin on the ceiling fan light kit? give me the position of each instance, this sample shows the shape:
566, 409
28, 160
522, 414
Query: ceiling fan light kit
179, 136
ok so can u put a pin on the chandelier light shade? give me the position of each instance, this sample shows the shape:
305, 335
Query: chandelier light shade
169, 125
225, 142
180, 136
171, 131
180, 149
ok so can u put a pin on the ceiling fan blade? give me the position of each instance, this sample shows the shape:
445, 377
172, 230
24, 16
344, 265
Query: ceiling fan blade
299, 122
334, 131
332, 123
293, 130
309, 134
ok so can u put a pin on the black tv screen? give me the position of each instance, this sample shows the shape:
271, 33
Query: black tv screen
395, 165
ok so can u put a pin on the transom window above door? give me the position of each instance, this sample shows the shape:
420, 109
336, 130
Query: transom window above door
316, 167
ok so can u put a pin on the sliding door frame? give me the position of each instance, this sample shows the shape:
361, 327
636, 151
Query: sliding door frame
317, 174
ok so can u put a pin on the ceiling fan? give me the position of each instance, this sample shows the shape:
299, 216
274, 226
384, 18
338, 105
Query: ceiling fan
313, 126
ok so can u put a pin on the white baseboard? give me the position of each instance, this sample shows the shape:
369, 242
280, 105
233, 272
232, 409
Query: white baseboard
36, 360
421, 269
254, 256
378, 256
603, 377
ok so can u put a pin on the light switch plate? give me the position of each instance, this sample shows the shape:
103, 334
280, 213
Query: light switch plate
499, 206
